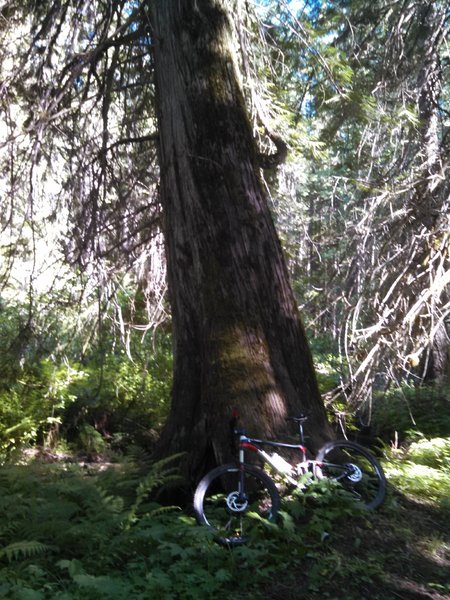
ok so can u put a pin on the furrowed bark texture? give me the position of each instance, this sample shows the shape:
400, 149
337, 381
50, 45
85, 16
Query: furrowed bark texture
238, 339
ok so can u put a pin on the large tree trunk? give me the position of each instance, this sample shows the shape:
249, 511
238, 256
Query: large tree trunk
238, 339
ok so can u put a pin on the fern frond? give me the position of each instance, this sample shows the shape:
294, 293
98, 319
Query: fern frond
113, 504
159, 475
162, 510
23, 549
169, 459
139, 456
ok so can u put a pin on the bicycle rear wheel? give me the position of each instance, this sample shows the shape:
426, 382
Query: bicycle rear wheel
230, 512
356, 469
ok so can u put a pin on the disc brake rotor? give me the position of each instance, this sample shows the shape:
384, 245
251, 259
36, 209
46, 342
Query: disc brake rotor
236, 502
355, 474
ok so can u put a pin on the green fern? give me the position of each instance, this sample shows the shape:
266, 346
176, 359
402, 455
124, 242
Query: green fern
160, 474
23, 549
139, 456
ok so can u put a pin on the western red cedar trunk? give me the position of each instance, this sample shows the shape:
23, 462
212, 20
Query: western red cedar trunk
238, 339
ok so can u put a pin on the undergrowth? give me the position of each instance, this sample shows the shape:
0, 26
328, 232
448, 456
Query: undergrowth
421, 470
68, 532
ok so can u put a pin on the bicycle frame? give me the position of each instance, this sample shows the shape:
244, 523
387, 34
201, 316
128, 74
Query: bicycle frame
254, 445
303, 467
227, 495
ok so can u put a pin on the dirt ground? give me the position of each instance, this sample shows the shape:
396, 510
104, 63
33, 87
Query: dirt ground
401, 553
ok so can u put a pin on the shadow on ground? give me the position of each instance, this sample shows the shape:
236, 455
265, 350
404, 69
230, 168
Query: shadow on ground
401, 552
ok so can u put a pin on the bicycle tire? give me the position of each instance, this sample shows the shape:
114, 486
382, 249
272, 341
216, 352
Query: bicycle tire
218, 506
365, 480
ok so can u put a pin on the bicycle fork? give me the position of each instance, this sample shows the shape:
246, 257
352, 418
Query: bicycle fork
241, 481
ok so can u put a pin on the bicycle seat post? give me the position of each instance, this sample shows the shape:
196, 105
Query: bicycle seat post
300, 420
300, 432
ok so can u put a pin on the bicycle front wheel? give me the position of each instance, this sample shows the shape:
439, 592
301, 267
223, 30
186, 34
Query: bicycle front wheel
229, 508
356, 469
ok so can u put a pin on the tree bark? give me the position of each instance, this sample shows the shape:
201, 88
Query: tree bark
238, 338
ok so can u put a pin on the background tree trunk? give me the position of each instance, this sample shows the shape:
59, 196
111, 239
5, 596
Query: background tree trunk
431, 200
238, 339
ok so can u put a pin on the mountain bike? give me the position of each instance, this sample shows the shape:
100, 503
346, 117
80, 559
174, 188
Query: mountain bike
228, 497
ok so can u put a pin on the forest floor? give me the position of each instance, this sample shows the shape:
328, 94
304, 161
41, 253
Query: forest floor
399, 552
402, 552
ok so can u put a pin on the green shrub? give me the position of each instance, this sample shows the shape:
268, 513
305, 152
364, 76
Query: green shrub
32, 405
50, 385
410, 411
124, 399
327, 363
422, 470
433, 453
